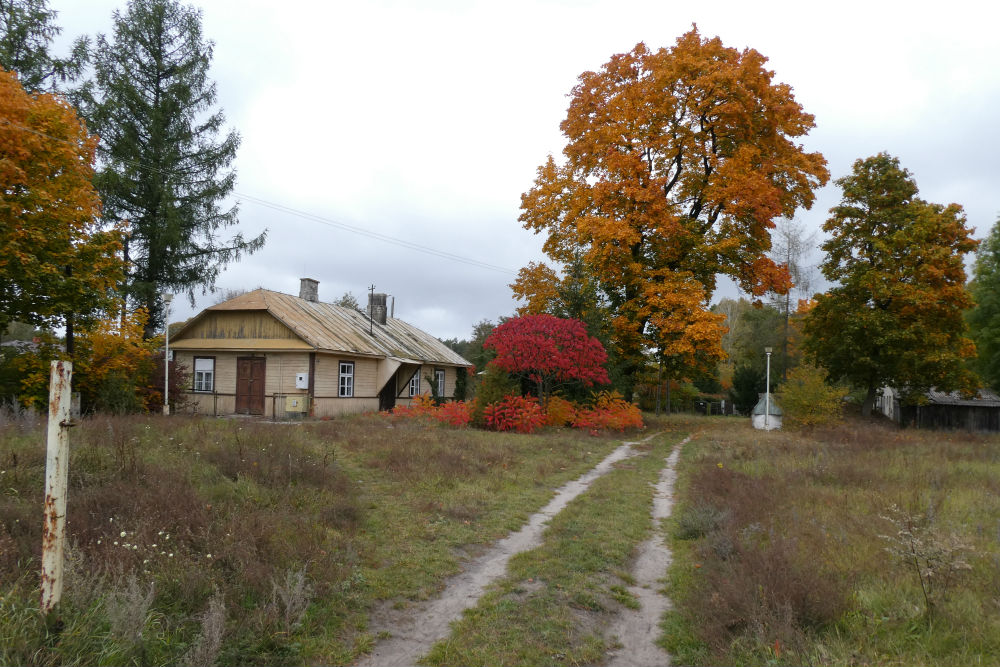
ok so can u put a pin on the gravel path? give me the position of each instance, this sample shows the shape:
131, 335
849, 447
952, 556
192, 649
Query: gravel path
637, 629
417, 627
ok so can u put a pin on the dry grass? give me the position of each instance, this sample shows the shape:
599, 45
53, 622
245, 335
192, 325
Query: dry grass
264, 543
781, 547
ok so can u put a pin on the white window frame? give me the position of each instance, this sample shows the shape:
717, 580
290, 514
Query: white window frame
204, 378
439, 376
415, 384
346, 384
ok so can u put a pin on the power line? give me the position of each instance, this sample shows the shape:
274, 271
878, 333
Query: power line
329, 222
312, 217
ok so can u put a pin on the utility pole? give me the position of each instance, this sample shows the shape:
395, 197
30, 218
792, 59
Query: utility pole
167, 298
767, 389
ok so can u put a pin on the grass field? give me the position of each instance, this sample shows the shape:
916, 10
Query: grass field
196, 539
856, 544
237, 542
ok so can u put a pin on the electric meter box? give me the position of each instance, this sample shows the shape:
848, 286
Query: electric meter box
302, 380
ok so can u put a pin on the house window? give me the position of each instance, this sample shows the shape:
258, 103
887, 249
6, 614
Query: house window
415, 384
346, 379
204, 373
439, 381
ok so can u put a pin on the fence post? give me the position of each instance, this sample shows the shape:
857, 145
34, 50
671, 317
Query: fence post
56, 482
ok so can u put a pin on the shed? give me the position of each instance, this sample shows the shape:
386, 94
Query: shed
950, 410
774, 414
277, 355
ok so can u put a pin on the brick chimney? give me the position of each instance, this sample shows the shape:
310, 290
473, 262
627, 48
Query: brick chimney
376, 307
308, 289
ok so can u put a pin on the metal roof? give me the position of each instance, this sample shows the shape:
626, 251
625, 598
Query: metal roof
767, 404
330, 328
985, 398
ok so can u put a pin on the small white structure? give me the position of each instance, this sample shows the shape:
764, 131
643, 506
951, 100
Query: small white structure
773, 418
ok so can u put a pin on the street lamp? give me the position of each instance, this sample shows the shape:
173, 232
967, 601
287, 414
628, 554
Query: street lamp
166, 352
767, 389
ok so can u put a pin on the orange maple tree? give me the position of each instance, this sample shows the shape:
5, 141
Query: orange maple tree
676, 164
57, 260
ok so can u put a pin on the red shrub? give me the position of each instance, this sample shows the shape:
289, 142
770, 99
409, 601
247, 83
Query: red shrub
454, 413
515, 413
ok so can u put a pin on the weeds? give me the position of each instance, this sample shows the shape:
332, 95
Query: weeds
205, 650
291, 597
778, 557
208, 529
937, 560
128, 609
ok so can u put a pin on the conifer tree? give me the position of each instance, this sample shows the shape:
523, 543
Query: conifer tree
27, 29
165, 156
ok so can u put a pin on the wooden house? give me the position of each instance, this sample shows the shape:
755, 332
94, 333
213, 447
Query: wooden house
943, 410
276, 355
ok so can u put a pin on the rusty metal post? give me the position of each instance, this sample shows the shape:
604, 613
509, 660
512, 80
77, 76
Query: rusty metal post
56, 482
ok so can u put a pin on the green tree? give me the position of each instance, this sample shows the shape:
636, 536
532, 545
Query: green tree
748, 384
27, 29
896, 314
807, 399
166, 167
752, 327
984, 319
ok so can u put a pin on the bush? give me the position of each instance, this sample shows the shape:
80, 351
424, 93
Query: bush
515, 413
610, 412
494, 386
807, 399
559, 412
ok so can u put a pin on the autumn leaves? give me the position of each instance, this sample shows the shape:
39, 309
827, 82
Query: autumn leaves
676, 163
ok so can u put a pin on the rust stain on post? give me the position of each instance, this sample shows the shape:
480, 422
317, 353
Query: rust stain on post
56, 482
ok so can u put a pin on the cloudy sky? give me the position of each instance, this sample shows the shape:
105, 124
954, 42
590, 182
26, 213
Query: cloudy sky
424, 122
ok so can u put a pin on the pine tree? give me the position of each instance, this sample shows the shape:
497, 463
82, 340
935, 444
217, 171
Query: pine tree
27, 30
165, 167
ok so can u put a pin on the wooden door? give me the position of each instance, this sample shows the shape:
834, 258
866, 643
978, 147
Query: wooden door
250, 386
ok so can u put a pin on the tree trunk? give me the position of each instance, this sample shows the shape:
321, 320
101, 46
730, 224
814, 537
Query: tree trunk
784, 340
668, 395
866, 407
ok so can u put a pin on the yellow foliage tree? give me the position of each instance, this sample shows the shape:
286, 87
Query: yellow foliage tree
58, 263
676, 164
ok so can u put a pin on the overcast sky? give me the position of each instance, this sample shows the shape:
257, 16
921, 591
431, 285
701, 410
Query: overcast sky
425, 121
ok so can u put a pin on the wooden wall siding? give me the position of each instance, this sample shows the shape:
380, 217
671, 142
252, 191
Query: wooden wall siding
328, 376
239, 325
952, 417
335, 407
281, 370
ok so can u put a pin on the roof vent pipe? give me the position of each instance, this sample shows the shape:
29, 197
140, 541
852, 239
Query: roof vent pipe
376, 307
308, 289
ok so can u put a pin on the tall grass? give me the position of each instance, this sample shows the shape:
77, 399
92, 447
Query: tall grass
198, 540
859, 543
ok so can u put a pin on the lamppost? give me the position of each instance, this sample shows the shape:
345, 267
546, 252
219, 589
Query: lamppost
166, 352
767, 389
